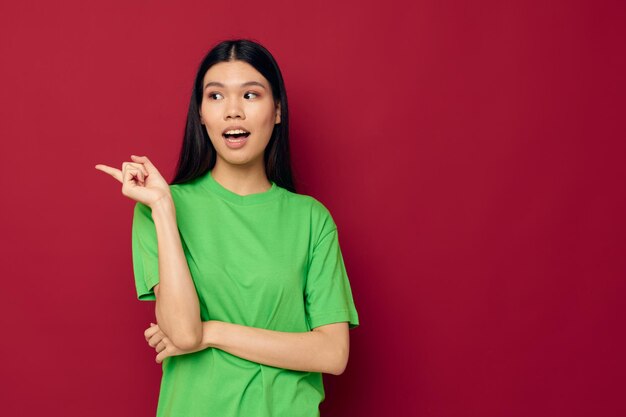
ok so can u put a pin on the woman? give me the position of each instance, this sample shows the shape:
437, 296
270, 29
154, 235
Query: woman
253, 302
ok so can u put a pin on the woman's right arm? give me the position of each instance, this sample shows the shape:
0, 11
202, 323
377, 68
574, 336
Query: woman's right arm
177, 307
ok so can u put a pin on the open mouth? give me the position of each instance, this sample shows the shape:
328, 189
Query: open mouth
235, 135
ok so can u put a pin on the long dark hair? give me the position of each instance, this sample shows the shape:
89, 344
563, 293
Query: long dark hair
197, 154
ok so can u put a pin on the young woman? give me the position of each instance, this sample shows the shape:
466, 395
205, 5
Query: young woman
253, 302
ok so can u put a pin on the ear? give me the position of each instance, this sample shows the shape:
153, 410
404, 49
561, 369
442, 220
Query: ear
201, 121
277, 114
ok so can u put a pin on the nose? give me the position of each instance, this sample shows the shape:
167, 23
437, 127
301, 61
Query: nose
234, 110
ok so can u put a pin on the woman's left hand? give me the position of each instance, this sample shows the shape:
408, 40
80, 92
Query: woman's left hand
161, 343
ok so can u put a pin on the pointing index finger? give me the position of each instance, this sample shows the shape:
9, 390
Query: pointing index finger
114, 172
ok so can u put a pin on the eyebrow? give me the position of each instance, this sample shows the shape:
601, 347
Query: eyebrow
216, 84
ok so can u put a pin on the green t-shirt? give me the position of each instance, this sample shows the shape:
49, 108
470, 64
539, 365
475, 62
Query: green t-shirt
269, 260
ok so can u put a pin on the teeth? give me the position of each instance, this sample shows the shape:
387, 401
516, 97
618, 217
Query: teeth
234, 132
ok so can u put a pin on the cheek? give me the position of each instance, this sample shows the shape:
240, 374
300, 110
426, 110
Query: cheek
265, 116
208, 118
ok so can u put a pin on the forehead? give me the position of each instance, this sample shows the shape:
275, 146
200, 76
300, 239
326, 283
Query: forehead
233, 73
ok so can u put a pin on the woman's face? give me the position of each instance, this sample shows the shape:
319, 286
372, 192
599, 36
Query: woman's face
237, 95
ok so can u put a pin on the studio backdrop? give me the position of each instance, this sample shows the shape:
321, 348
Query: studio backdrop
472, 155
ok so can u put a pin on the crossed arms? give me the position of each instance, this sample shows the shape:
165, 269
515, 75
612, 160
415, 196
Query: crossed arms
179, 329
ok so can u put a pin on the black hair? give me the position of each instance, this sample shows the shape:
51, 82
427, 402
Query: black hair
197, 155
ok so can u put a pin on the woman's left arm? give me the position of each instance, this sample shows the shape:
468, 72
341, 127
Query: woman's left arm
324, 349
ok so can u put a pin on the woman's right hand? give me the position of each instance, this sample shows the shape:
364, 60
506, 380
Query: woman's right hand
140, 179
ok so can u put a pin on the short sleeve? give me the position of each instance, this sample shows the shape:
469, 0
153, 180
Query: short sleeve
328, 296
145, 252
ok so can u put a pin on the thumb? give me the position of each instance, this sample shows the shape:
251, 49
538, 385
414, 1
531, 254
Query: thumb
144, 160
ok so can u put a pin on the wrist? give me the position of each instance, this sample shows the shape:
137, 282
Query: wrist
164, 204
210, 333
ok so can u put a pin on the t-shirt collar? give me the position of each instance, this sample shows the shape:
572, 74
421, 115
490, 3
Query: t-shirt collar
244, 200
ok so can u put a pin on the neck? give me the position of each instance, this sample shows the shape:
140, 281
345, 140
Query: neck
240, 179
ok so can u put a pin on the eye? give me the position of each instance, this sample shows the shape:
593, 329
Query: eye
213, 94
254, 94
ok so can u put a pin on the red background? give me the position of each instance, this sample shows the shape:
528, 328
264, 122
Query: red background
471, 153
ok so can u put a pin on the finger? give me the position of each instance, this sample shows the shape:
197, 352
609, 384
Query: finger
136, 165
130, 174
154, 340
160, 347
137, 168
114, 172
159, 358
150, 331
144, 160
